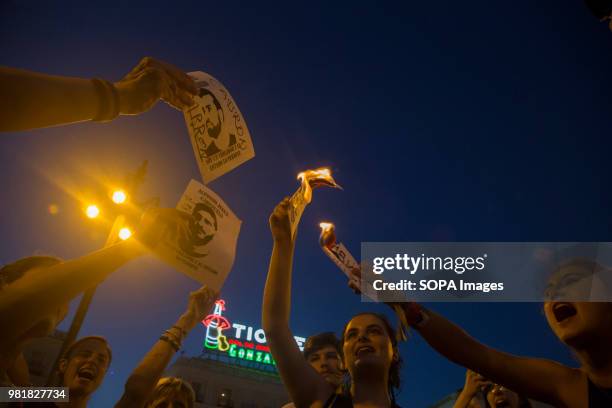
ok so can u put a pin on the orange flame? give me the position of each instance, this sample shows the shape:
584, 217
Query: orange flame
328, 234
320, 177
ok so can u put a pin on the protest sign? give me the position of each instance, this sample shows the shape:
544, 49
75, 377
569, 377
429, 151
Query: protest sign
219, 135
205, 251
309, 179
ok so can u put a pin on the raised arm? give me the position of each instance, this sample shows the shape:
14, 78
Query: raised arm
302, 382
42, 291
145, 376
30, 100
474, 384
543, 380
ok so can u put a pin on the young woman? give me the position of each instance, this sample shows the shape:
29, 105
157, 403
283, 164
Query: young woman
35, 292
585, 327
368, 341
144, 386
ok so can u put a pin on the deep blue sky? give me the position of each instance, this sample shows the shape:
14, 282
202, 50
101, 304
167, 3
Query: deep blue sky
445, 120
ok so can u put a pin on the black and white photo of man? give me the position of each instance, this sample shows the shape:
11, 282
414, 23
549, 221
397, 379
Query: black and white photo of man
215, 139
202, 229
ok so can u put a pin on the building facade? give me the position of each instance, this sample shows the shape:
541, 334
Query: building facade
220, 380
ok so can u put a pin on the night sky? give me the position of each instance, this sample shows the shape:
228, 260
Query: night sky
443, 121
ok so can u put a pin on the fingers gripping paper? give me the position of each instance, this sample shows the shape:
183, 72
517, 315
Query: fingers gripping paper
219, 135
309, 180
344, 260
206, 248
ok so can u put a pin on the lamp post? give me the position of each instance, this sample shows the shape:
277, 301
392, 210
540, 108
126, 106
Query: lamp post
118, 231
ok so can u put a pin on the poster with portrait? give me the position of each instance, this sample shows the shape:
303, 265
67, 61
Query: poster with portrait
219, 135
206, 248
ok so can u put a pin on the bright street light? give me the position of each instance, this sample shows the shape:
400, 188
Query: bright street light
125, 233
119, 197
92, 211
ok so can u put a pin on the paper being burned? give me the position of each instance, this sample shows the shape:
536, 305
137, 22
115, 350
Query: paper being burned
219, 135
340, 255
309, 180
206, 250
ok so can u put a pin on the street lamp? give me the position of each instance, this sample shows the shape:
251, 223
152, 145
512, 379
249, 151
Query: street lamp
125, 233
119, 197
118, 231
92, 211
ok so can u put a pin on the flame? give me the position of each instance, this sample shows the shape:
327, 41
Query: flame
328, 234
320, 177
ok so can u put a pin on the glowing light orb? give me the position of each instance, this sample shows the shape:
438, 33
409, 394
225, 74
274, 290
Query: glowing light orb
53, 209
92, 211
119, 197
125, 233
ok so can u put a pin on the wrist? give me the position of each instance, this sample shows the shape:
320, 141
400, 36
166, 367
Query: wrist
283, 242
130, 249
122, 93
108, 100
186, 322
416, 316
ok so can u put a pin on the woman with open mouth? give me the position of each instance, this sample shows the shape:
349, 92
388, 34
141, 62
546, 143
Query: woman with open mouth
369, 345
585, 327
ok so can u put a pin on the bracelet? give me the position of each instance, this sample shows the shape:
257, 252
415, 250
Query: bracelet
171, 333
177, 335
172, 343
183, 331
413, 313
108, 100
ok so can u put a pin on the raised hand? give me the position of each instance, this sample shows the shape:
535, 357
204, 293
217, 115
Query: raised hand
279, 222
152, 80
200, 304
159, 223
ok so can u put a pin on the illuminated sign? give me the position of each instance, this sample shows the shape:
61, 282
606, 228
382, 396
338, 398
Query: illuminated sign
244, 342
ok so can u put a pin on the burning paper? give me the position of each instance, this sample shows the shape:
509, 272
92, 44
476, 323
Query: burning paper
206, 250
218, 132
340, 255
309, 179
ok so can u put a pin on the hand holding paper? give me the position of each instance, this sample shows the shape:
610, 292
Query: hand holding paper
343, 259
205, 248
309, 179
158, 224
279, 222
219, 135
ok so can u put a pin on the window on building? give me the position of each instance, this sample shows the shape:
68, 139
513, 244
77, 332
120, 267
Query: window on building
200, 391
224, 398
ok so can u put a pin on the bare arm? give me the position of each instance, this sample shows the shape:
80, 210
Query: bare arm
517, 373
302, 382
42, 291
30, 100
474, 383
145, 376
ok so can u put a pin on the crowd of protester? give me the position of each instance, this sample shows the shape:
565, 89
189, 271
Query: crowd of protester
360, 369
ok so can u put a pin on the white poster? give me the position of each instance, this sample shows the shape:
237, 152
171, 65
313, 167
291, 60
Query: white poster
219, 135
205, 251
297, 204
309, 180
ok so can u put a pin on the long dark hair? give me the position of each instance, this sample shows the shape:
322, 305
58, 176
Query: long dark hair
396, 365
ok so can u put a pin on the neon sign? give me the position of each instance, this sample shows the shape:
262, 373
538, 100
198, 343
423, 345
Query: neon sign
246, 343
215, 324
